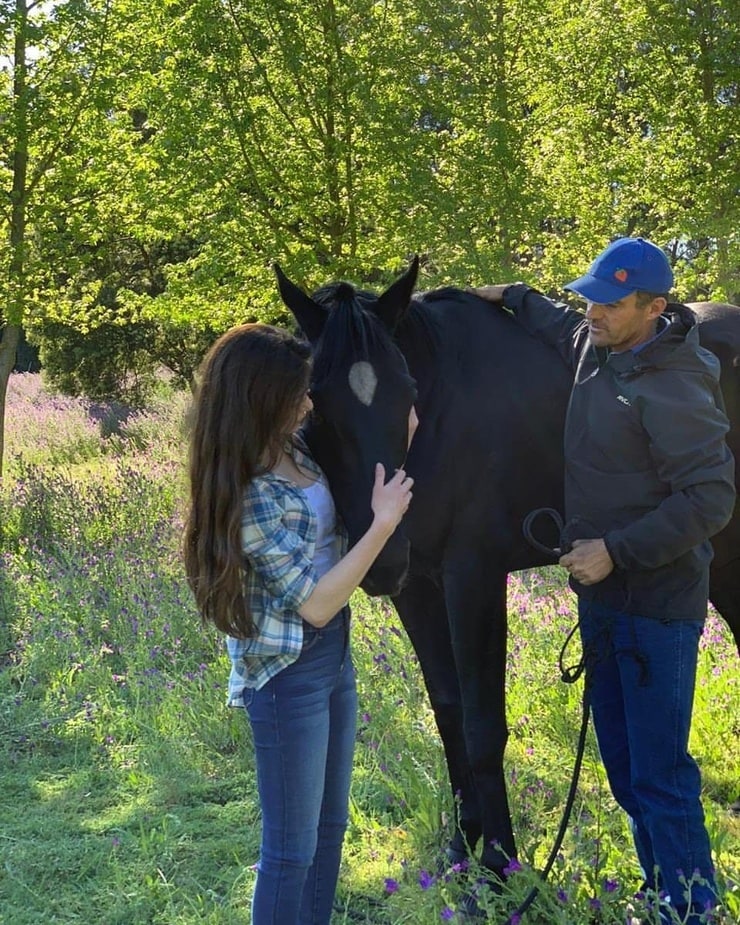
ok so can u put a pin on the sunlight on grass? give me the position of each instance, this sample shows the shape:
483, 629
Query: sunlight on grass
128, 790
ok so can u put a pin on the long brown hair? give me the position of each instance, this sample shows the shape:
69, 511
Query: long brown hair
251, 384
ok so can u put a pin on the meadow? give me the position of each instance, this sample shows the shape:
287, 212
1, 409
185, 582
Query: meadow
127, 790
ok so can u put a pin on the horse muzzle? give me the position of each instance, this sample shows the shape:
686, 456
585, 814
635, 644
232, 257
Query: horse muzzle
384, 581
389, 573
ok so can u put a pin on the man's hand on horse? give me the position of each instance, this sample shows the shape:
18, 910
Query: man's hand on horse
494, 294
588, 561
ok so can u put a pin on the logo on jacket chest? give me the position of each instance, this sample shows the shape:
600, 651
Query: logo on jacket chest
624, 400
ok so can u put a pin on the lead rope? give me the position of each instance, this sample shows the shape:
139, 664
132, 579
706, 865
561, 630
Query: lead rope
568, 675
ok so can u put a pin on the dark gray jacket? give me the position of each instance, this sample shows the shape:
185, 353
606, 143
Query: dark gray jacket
647, 467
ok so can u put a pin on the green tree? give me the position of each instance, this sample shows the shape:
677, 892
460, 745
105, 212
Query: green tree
294, 128
55, 51
476, 90
506, 139
633, 126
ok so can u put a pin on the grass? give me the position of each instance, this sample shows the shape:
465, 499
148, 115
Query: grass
127, 787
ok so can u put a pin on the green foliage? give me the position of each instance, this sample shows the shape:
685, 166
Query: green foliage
176, 150
27, 357
108, 362
621, 102
121, 362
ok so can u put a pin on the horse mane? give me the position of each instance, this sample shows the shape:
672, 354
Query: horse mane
428, 328
351, 333
445, 293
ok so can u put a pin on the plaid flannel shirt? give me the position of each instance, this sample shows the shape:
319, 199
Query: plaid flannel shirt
278, 536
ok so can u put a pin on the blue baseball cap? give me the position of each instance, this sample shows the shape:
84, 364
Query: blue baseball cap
626, 265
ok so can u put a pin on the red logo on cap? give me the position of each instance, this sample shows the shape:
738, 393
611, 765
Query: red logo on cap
621, 275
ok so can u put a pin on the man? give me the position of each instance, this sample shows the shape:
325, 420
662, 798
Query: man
649, 479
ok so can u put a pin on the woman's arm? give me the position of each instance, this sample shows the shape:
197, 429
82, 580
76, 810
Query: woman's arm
389, 503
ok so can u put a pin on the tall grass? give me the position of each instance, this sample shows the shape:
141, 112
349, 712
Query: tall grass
128, 791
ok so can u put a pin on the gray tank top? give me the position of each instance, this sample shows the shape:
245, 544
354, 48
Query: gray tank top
327, 541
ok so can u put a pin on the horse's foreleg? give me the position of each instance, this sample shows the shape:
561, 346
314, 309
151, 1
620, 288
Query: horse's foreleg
476, 603
423, 613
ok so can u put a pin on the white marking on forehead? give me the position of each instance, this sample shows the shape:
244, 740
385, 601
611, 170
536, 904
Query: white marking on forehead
363, 381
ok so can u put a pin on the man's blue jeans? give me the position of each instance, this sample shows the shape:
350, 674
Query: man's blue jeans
641, 674
303, 724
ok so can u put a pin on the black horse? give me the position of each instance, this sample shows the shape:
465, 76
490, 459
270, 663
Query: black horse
491, 402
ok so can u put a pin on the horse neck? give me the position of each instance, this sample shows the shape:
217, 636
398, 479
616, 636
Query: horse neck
418, 339
439, 340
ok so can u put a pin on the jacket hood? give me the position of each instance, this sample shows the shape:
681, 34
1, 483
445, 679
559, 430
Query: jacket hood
677, 347
680, 315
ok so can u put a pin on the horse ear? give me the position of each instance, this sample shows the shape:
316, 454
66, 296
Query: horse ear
309, 314
395, 300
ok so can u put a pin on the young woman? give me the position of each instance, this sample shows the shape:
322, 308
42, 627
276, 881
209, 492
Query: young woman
266, 560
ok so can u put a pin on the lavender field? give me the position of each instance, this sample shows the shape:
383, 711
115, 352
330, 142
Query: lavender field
128, 792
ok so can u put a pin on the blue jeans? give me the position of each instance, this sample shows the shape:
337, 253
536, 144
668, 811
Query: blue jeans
303, 724
641, 674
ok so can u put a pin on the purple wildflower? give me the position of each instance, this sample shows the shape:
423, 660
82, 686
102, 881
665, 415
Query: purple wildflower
391, 885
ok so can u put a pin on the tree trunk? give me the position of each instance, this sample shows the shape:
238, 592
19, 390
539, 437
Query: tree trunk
18, 203
8, 349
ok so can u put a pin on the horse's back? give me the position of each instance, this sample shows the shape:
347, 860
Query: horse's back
724, 311
719, 331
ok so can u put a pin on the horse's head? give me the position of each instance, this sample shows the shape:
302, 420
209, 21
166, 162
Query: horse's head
362, 394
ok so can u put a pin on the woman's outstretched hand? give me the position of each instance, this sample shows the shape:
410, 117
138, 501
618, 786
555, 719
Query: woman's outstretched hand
390, 500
